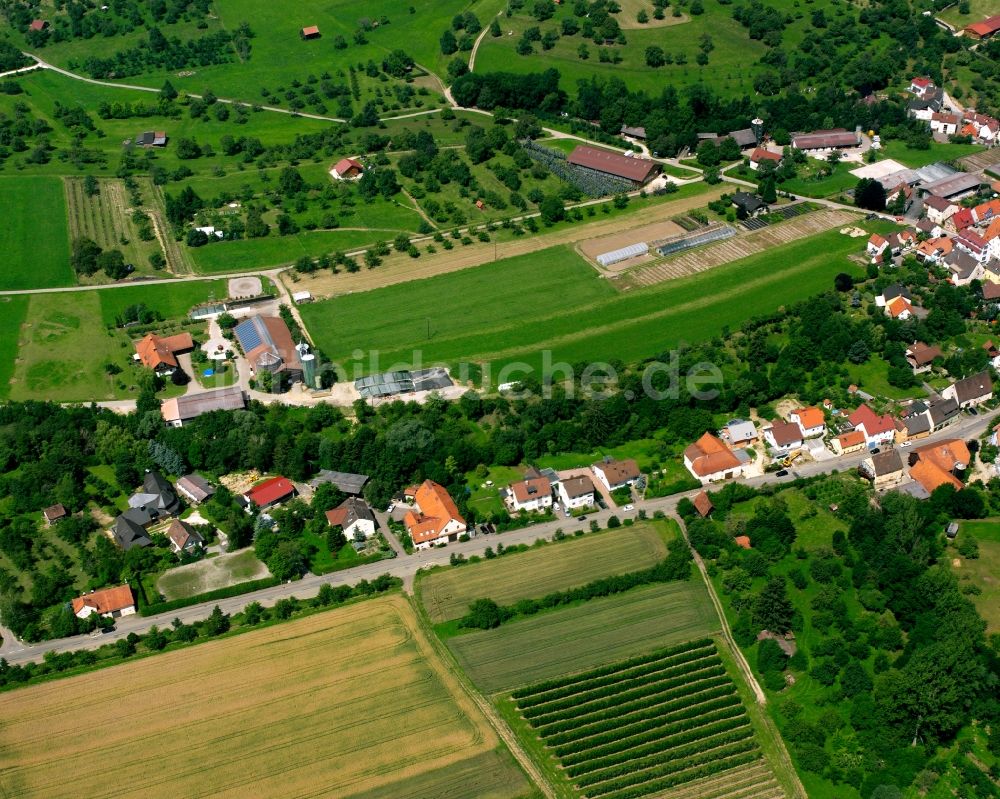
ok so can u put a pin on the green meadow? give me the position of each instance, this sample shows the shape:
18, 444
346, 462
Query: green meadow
33, 235
512, 310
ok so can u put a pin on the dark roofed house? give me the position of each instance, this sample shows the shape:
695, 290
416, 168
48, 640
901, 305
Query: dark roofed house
971, 391
920, 356
991, 291
825, 139
637, 132
53, 514
195, 487
345, 481
183, 537
129, 529
309, 32
354, 517
157, 496
638, 170
178, 410
883, 469
151, 138
744, 138
941, 412
749, 204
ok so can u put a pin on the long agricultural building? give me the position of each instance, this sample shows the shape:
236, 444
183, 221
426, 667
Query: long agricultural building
825, 139
638, 170
623, 254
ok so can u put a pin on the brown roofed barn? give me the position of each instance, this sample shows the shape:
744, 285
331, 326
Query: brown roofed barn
638, 170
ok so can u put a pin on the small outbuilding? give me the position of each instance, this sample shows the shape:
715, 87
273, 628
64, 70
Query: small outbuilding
310, 32
347, 169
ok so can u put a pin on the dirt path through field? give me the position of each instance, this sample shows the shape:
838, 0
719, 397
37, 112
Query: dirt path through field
400, 268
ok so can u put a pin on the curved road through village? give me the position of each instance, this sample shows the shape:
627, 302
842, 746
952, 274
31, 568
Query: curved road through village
406, 566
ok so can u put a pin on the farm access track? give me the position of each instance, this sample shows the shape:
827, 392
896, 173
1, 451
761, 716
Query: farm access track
742, 246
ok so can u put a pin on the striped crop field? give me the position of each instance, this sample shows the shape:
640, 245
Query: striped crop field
352, 702
447, 594
668, 721
584, 636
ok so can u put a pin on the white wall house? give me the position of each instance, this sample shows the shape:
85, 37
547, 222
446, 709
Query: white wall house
576, 492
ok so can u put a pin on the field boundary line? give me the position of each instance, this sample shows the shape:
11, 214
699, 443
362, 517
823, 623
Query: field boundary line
744, 668
504, 732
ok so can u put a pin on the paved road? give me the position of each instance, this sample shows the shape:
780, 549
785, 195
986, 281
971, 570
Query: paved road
406, 566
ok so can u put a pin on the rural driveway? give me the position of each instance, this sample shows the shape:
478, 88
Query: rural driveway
406, 566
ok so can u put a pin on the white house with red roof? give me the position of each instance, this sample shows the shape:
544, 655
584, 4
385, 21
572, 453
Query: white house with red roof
347, 169
972, 243
921, 84
810, 420
877, 429
436, 518
760, 155
533, 493
112, 602
269, 493
945, 123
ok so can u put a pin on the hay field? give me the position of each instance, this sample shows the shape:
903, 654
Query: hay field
33, 237
350, 702
594, 633
531, 575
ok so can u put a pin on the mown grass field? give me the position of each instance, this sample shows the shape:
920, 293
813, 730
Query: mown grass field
172, 299
569, 312
446, 594
938, 151
351, 702
62, 341
33, 237
591, 634
983, 571
642, 726
211, 574
12, 313
64, 350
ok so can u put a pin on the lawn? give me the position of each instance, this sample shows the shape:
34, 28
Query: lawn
33, 237
64, 350
13, 311
171, 299
240, 256
978, 11
350, 702
210, 574
596, 632
809, 184
570, 315
873, 376
814, 523
446, 594
485, 499
938, 151
984, 571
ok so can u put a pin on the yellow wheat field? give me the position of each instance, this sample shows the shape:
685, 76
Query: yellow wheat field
345, 703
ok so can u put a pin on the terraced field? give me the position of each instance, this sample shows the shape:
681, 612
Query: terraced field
650, 724
713, 255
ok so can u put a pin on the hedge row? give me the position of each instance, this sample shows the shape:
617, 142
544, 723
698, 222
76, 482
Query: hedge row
547, 685
571, 730
653, 745
670, 695
209, 596
619, 676
689, 775
591, 748
675, 677
631, 773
